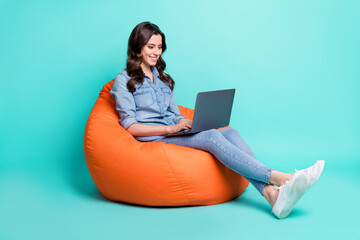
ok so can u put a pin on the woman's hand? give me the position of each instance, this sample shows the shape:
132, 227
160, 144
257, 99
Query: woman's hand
183, 123
186, 123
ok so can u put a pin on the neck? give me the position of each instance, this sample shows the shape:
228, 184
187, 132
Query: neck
146, 69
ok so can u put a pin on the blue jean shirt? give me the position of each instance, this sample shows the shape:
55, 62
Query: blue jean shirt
151, 103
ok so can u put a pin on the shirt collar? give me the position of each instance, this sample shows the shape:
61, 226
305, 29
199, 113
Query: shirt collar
154, 71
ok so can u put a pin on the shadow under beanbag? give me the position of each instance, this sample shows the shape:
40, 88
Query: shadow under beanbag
152, 173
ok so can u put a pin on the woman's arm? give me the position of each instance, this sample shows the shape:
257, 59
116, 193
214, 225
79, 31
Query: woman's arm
143, 130
124, 100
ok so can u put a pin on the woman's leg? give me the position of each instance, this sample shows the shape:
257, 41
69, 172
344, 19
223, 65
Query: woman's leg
292, 191
281, 200
233, 136
276, 177
237, 159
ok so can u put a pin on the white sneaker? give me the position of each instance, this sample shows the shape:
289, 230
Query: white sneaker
290, 193
313, 172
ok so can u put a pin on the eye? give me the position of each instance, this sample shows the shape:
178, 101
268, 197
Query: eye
150, 47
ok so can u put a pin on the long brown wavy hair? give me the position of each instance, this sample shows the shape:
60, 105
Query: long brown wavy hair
139, 37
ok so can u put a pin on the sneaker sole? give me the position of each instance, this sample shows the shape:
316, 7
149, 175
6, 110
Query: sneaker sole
298, 189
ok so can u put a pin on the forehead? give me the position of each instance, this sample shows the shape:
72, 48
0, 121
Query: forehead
155, 39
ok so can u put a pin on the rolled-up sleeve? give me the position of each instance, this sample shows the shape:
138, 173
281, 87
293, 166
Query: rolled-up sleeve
125, 104
173, 107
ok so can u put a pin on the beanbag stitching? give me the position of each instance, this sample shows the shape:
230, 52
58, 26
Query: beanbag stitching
162, 147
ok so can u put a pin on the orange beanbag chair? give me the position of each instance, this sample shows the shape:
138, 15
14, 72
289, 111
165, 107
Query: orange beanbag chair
152, 173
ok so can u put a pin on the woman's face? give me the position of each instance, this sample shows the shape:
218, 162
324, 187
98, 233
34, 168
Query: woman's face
152, 51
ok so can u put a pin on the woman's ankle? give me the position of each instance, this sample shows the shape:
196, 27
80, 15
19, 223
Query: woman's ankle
271, 194
279, 178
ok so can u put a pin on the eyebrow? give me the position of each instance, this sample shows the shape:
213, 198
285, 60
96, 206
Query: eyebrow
154, 44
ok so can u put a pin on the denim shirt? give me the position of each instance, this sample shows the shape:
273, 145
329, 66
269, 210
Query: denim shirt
151, 103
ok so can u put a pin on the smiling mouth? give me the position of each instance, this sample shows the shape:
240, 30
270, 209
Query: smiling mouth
153, 58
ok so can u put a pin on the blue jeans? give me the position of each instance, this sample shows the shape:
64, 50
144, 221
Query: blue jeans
229, 148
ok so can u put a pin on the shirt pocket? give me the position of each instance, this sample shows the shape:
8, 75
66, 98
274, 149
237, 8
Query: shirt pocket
167, 96
143, 97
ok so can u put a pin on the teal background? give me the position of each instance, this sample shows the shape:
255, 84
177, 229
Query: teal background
296, 69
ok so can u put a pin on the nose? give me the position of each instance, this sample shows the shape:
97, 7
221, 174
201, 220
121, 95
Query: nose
157, 52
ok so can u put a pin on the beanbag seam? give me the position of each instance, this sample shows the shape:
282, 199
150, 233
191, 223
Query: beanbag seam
177, 180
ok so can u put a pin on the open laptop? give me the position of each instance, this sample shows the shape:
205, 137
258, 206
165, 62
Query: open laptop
212, 110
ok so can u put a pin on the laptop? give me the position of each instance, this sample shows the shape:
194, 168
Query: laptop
212, 110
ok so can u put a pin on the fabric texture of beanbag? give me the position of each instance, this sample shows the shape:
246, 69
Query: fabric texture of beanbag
152, 173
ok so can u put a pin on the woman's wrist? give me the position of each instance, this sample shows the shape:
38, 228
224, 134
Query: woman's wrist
168, 129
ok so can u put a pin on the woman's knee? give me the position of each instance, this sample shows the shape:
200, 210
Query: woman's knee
212, 134
229, 132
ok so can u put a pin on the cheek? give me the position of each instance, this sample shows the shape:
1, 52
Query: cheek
148, 53
145, 52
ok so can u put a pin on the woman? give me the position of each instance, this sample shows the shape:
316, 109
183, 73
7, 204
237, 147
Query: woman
145, 102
